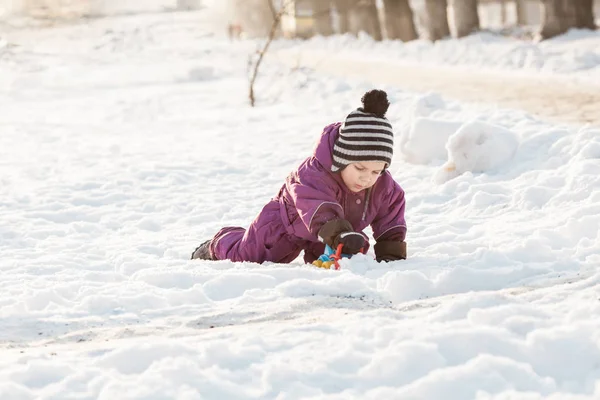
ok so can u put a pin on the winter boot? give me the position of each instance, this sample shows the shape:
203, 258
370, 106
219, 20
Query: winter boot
202, 252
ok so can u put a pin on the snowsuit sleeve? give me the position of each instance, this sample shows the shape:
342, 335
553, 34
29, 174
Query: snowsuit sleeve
315, 196
389, 223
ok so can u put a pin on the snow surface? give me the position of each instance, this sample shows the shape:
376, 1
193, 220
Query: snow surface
127, 141
576, 53
477, 146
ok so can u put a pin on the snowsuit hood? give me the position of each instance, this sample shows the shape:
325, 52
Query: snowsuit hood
323, 151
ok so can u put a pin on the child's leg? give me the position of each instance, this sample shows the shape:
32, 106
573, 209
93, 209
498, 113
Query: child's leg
265, 240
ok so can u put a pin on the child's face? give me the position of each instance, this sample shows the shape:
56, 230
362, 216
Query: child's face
362, 175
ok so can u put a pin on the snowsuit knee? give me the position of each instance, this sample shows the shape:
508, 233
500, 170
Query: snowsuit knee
266, 239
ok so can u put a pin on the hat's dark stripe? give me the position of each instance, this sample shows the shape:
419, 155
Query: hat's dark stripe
340, 165
367, 139
365, 130
357, 121
365, 148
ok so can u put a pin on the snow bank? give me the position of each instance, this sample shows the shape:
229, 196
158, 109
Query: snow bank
426, 140
477, 147
473, 146
576, 53
109, 179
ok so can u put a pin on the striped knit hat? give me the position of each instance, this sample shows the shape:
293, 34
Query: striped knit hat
365, 135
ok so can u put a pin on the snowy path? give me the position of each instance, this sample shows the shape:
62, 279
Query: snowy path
557, 98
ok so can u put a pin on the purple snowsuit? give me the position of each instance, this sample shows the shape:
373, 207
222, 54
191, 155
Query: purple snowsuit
311, 196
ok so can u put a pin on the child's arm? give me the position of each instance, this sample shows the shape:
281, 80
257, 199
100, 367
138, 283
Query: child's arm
389, 227
316, 202
315, 195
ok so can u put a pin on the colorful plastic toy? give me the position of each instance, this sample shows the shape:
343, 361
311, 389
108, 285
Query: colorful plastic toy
330, 258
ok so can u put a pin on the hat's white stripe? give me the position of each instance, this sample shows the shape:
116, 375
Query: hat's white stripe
356, 118
368, 126
343, 162
360, 113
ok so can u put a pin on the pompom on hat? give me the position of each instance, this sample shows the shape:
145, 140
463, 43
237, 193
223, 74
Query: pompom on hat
366, 134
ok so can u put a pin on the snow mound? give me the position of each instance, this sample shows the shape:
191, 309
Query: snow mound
426, 140
477, 146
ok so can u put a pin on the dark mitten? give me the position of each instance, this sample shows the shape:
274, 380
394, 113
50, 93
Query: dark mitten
390, 250
331, 229
353, 242
341, 231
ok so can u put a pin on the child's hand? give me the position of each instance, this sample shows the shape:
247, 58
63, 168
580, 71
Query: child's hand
390, 250
340, 231
353, 242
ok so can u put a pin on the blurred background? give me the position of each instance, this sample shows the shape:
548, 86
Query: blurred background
403, 20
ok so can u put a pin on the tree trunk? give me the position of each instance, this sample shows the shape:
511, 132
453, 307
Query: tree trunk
521, 6
466, 17
322, 17
558, 16
585, 14
503, 12
437, 19
366, 18
399, 20
343, 10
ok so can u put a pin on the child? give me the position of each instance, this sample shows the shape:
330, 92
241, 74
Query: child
330, 198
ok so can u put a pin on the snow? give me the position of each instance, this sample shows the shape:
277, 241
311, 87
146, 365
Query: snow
426, 140
575, 53
128, 140
477, 146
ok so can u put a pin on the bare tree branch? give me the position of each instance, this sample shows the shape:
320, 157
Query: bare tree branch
272, 8
277, 15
